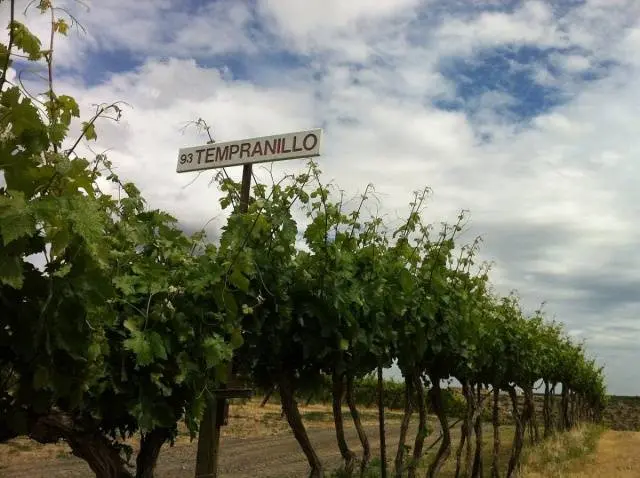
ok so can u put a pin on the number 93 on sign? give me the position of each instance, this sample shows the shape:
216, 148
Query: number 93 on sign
186, 158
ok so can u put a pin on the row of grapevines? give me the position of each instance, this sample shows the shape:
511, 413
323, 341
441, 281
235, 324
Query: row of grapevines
358, 296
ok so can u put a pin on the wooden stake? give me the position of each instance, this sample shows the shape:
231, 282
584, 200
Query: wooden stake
215, 411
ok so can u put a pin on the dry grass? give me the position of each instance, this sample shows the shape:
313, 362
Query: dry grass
616, 456
565, 455
568, 455
448, 469
24, 450
250, 420
562, 453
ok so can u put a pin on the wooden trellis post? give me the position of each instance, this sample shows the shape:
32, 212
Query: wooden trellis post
245, 152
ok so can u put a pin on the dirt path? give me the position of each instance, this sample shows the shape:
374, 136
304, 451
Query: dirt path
277, 456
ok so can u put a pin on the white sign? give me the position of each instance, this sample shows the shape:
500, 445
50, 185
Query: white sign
302, 144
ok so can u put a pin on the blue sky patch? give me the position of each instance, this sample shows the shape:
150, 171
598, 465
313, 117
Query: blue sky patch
99, 65
433, 13
511, 73
263, 68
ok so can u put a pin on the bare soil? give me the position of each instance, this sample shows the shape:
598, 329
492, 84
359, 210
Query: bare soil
256, 443
262, 456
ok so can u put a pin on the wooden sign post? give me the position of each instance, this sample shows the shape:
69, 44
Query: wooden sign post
301, 144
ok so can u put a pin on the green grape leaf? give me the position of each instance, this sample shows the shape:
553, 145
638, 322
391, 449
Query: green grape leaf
126, 284
215, 351
59, 242
89, 131
20, 113
61, 26
69, 108
26, 41
63, 270
141, 347
16, 220
157, 345
406, 280
11, 270
239, 280
236, 338
94, 351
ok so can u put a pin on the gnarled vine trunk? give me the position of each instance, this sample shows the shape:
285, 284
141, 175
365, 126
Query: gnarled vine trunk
150, 446
267, 397
465, 434
460, 449
478, 469
381, 428
445, 445
518, 437
89, 445
290, 408
337, 391
495, 420
355, 416
404, 427
564, 408
552, 407
546, 411
422, 425
473, 407
530, 414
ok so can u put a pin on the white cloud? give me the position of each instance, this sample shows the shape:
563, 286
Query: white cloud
576, 63
302, 20
530, 24
228, 19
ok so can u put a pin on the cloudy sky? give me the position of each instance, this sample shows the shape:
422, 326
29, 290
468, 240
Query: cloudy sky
524, 112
